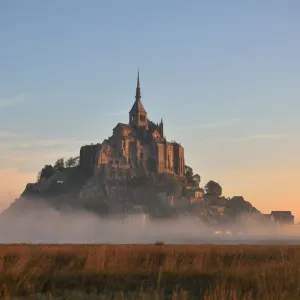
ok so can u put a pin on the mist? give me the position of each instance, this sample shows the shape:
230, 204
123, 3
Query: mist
39, 223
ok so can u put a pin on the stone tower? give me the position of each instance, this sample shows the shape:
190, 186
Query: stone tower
138, 114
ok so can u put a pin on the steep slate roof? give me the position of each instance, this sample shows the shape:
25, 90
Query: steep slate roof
123, 125
137, 107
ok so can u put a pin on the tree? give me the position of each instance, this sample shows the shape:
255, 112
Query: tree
76, 161
38, 177
188, 171
196, 178
238, 204
213, 188
59, 164
190, 176
46, 172
70, 162
171, 183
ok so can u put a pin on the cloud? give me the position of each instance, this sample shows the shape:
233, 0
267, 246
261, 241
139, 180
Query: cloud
259, 136
33, 160
6, 135
209, 125
39, 156
52, 143
30, 155
10, 101
267, 136
119, 113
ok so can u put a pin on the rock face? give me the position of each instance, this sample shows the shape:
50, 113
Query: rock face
159, 194
75, 189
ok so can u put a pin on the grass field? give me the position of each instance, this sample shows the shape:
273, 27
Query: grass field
149, 272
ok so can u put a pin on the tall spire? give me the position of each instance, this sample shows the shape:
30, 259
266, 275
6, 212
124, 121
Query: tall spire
138, 89
138, 106
138, 114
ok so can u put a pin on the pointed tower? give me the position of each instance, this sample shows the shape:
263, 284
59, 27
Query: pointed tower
161, 127
138, 114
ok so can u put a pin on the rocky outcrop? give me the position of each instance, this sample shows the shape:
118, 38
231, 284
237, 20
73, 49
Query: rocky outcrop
115, 190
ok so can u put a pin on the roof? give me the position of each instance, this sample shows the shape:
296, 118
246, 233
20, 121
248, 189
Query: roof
278, 212
282, 215
91, 146
137, 107
122, 125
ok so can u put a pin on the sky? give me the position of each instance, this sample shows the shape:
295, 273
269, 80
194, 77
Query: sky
224, 75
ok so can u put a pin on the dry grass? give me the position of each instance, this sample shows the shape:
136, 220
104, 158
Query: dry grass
149, 272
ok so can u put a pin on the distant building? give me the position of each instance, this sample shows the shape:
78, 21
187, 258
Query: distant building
284, 217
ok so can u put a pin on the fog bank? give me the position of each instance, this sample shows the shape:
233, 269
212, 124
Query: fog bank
38, 223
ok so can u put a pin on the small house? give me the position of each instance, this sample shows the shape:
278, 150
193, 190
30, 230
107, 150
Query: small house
284, 217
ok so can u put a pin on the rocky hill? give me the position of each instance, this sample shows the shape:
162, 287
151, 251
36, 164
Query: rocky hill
71, 188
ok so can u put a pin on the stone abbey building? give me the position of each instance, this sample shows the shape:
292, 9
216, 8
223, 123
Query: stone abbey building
134, 149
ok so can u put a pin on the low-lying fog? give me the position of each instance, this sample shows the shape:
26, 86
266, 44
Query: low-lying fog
45, 225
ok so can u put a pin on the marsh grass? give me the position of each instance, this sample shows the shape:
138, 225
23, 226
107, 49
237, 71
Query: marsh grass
149, 272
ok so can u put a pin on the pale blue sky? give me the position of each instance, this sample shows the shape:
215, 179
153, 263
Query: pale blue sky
224, 75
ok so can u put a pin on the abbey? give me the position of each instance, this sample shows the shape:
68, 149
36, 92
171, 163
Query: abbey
135, 149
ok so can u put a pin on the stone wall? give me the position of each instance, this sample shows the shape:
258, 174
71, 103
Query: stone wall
169, 157
88, 156
160, 157
179, 159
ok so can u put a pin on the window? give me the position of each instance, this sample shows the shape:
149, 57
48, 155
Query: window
142, 118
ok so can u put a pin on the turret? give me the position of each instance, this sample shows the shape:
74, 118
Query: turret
161, 127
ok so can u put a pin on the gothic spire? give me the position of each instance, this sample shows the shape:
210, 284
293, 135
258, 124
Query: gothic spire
138, 106
138, 89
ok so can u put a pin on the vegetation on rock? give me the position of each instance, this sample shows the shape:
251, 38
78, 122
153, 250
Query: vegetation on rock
75, 178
